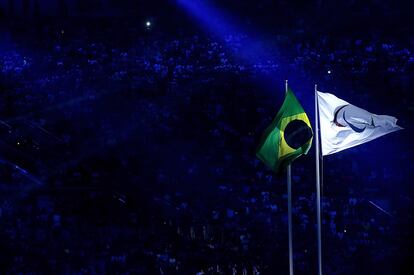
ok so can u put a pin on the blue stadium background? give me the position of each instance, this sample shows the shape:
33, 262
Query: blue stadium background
128, 132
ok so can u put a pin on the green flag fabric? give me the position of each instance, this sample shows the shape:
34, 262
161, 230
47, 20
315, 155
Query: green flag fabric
288, 137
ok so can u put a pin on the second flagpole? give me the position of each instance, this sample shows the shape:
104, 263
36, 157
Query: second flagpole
289, 187
318, 183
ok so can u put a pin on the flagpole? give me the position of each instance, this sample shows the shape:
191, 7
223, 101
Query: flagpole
318, 184
289, 187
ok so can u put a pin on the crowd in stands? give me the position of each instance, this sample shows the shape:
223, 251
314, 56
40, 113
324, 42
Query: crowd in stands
138, 158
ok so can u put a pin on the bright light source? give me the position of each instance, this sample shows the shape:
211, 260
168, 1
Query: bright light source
148, 24
329, 72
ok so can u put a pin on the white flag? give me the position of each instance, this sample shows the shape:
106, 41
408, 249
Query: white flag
344, 125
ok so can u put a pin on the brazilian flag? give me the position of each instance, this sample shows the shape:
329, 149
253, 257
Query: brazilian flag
289, 136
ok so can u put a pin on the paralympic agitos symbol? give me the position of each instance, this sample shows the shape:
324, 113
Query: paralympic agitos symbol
356, 118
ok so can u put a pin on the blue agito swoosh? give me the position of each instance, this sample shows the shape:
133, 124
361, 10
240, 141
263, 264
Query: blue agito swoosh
353, 127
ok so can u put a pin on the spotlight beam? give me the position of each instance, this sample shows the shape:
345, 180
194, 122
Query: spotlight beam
254, 48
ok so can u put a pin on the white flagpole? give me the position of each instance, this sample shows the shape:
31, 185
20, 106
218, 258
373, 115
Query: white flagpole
318, 183
289, 187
